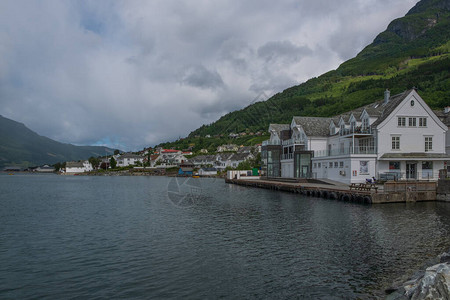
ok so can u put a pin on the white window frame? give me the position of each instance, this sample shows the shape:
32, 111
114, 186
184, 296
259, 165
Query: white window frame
395, 142
422, 122
401, 121
412, 122
428, 143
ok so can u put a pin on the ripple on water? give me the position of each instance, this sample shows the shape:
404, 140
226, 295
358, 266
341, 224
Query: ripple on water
122, 237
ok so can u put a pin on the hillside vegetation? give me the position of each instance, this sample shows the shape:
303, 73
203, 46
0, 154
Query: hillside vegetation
414, 51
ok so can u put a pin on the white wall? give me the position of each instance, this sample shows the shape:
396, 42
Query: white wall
412, 139
348, 169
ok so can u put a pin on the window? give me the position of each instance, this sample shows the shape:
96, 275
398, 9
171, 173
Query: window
331, 164
341, 164
332, 130
319, 165
422, 122
395, 143
336, 164
353, 126
315, 165
428, 143
394, 165
427, 169
365, 123
412, 122
342, 129
401, 121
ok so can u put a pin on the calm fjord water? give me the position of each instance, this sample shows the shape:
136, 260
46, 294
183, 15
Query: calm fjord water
134, 237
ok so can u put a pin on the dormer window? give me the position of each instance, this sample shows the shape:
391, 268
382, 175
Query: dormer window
342, 129
353, 126
365, 123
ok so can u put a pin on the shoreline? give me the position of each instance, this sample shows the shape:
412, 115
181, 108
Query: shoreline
431, 281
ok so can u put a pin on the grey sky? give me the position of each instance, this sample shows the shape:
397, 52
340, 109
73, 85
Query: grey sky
130, 74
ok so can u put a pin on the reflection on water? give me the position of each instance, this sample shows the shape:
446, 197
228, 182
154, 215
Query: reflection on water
127, 237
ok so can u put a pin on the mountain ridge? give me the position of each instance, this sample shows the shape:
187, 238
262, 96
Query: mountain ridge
20, 146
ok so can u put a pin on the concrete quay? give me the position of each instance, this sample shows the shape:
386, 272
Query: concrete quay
389, 192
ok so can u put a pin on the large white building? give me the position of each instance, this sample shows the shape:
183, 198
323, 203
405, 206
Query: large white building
398, 137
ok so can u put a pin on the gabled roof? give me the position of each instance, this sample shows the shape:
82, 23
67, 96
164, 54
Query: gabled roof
240, 156
314, 126
74, 164
279, 127
387, 108
224, 156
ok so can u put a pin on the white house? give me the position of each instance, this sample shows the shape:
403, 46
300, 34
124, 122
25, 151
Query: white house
73, 167
129, 159
397, 137
207, 171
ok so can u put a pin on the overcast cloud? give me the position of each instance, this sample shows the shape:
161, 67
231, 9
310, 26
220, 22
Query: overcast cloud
132, 73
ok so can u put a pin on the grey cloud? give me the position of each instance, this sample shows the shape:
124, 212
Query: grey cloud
199, 76
283, 51
111, 72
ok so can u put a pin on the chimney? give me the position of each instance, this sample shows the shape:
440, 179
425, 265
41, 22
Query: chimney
447, 109
387, 95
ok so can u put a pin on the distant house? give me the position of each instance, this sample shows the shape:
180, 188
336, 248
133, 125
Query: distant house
12, 168
171, 157
245, 149
129, 159
207, 171
237, 158
45, 169
203, 160
186, 169
228, 148
74, 167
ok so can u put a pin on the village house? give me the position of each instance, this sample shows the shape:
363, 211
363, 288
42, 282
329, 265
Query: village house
398, 137
129, 159
170, 157
207, 172
45, 169
74, 167
203, 160
228, 148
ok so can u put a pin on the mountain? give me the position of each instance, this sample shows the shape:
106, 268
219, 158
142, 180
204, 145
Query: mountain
412, 52
19, 146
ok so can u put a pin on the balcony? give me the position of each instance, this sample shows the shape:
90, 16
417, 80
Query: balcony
269, 142
357, 131
294, 142
345, 151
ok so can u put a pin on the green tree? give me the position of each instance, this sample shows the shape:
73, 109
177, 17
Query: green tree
116, 152
94, 162
112, 163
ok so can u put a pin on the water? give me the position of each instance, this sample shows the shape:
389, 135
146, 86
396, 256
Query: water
142, 237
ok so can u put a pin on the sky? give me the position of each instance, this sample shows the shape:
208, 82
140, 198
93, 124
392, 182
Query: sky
131, 74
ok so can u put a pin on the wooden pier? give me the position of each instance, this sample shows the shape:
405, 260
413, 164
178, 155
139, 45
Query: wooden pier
390, 192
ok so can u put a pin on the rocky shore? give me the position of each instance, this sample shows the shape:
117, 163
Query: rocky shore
432, 283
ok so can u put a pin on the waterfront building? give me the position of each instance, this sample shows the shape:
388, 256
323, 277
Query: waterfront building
398, 137
73, 167
129, 159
